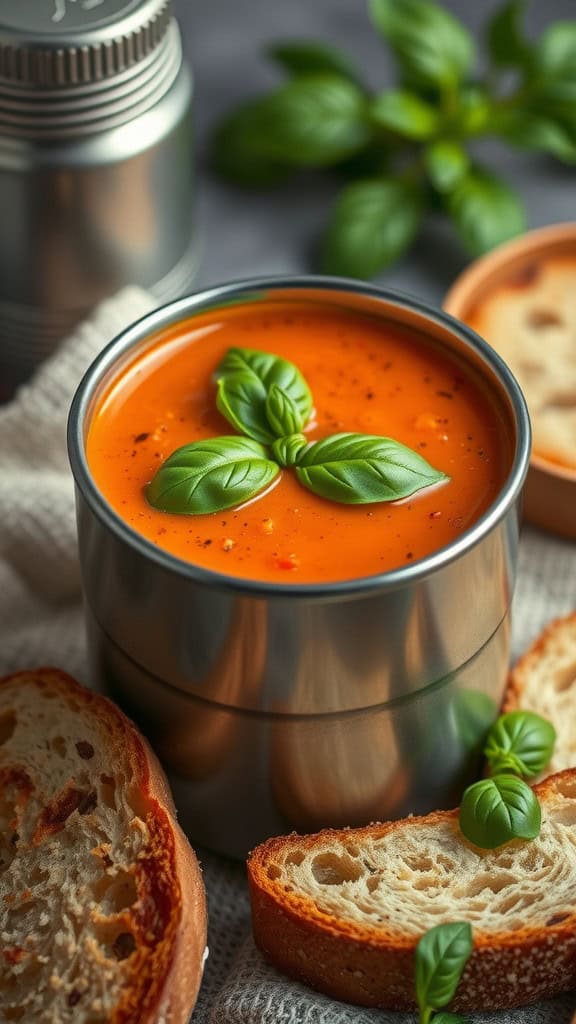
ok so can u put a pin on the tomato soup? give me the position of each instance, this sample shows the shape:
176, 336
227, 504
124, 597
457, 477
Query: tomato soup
366, 376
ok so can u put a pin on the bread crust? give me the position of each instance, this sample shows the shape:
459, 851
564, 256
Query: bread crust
162, 986
374, 966
517, 677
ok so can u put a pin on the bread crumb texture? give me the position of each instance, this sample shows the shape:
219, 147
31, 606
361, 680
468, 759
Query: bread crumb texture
544, 681
344, 909
89, 905
531, 323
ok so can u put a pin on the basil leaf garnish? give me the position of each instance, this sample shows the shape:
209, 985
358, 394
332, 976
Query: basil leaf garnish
282, 412
211, 475
358, 469
521, 742
241, 398
287, 450
440, 958
494, 811
272, 372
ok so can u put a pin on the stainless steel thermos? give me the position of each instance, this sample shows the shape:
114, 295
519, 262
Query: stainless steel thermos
96, 180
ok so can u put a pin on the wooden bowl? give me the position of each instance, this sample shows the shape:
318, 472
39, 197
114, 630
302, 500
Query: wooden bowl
550, 489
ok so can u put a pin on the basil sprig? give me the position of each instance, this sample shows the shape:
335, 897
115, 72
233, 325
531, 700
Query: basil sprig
503, 807
521, 742
267, 399
411, 147
440, 958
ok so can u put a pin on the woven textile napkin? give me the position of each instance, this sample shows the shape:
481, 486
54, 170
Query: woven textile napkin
41, 623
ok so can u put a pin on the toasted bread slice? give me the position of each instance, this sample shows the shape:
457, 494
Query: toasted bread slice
544, 681
343, 910
102, 905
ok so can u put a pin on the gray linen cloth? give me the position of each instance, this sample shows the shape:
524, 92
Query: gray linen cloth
41, 624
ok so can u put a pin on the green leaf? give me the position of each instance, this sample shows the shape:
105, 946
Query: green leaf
287, 450
404, 112
211, 475
485, 211
239, 152
312, 121
475, 110
555, 62
497, 810
432, 47
268, 371
522, 741
358, 469
282, 413
534, 131
241, 398
441, 956
473, 713
373, 222
449, 1018
446, 163
507, 45
300, 57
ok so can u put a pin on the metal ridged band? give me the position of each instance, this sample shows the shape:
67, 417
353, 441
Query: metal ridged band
35, 114
61, 67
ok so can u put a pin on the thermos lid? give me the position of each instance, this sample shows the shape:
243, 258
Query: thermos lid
55, 44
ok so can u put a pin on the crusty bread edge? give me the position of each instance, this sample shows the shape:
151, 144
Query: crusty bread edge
177, 996
372, 967
515, 684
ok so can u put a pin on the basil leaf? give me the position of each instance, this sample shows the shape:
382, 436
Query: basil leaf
495, 811
241, 398
485, 211
431, 46
358, 469
239, 152
440, 958
507, 45
521, 740
373, 222
533, 131
449, 1018
312, 121
287, 450
299, 57
475, 110
270, 371
554, 75
446, 163
406, 113
282, 413
211, 475
473, 713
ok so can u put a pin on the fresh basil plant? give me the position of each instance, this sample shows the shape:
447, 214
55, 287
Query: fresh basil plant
267, 399
440, 958
411, 147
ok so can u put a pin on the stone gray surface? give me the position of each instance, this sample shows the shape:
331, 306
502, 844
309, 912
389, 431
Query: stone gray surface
247, 232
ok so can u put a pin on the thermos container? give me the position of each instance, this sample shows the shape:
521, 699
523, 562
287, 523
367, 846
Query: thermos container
96, 181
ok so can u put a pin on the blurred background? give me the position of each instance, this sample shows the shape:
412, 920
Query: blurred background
254, 231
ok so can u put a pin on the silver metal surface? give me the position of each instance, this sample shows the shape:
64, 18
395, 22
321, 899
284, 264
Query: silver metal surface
96, 182
303, 705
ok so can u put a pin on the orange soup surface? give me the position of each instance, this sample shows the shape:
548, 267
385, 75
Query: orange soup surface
366, 376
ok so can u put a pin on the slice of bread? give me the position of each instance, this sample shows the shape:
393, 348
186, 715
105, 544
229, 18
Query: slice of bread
530, 321
102, 905
343, 910
544, 681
